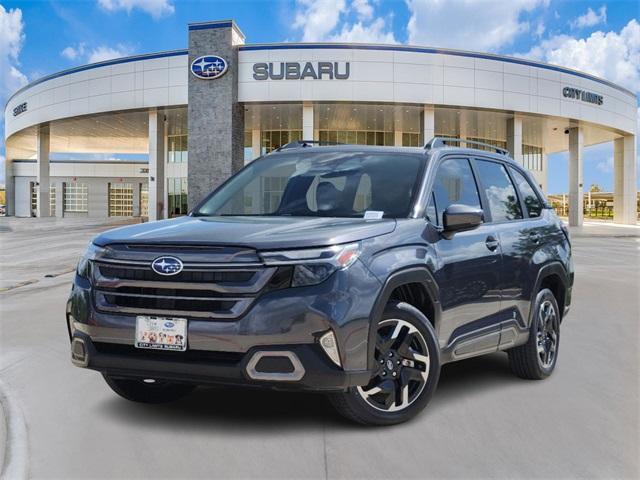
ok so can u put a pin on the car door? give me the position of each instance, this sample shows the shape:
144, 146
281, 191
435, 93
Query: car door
519, 238
468, 265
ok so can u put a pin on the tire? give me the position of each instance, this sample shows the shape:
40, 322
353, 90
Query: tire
407, 357
137, 390
536, 359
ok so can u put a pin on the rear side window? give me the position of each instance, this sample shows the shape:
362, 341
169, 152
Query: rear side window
453, 184
500, 192
531, 201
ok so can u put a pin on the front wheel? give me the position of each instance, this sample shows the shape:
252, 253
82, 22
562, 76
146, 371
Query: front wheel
407, 367
147, 391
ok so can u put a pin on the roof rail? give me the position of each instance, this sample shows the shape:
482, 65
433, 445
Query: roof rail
304, 144
439, 142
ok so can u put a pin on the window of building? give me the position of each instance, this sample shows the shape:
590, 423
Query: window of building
144, 200
532, 157
52, 199
500, 192
272, 139
412, 139
496, 143
76, 197
120, 199
357, 137
454, 184
177, 196
248, 146
531, 201
177, 148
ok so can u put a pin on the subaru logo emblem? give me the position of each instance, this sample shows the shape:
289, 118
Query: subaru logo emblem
167, 266
209, 67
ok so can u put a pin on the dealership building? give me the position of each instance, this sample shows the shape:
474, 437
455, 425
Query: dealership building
150, 135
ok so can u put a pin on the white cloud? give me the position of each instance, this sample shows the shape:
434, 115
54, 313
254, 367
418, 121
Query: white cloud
102, 53
11, 78
590, 18
339, 21
73, 52
11, 40
485, 25
605, 166
318, 18
156, 8
611, 55
359, 33
363, 8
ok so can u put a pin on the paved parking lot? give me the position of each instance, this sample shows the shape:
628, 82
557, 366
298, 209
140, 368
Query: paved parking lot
483, 422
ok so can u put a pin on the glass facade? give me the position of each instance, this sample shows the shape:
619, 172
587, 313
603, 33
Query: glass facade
412, 139
357, 137
120, 199
532, 157
177, 149
177, 196
144, 200
76, 197
272, 139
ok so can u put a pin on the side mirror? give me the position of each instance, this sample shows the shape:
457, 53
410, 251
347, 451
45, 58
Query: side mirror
458, 218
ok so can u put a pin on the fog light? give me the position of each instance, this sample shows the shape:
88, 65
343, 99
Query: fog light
330, 347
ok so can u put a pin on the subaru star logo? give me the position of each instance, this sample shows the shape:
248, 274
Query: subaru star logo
167, 265
209, 67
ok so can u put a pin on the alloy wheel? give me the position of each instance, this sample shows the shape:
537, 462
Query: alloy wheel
547, 334
402, 360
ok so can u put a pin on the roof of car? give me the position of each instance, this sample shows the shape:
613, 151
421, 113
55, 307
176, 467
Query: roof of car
387, 150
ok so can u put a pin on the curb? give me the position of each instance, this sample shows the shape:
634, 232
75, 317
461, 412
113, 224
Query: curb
14, 464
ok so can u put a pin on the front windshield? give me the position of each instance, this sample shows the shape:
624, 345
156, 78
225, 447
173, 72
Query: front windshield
321, 184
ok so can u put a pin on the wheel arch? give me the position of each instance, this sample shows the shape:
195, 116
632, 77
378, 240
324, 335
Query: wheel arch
405, 285
554, 277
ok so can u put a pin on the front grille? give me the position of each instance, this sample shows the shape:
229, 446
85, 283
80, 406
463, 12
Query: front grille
221, 277
200, 290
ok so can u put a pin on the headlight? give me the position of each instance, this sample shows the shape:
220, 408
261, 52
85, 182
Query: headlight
84, 265
313, 266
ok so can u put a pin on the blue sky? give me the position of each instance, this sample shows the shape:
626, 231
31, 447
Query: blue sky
41, 37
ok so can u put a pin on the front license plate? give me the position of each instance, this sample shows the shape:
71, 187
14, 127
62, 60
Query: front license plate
161, 333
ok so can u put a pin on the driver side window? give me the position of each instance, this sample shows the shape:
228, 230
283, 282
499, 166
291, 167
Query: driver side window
454, 184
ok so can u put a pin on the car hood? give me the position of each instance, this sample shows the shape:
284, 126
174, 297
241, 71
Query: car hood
261, 233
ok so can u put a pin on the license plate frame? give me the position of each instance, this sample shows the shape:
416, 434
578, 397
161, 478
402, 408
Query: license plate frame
161, 333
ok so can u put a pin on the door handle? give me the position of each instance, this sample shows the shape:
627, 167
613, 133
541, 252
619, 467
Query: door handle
492, 243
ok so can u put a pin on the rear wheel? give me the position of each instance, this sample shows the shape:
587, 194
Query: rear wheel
407, 367
536, 359
148, 390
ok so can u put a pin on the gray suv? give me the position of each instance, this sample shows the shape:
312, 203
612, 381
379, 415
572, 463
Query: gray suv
350, 270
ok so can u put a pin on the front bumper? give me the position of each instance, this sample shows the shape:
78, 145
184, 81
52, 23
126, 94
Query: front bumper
201, 367
219, 350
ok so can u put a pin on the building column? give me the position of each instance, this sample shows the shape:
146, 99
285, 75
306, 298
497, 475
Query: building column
514, 137
397, 138
576, 189
625, 177
43, 181
428, 123
462, 126
10, 187
256, 147
307, 121
156, 165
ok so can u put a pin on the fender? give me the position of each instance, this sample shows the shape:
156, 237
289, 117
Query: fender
551, 268
416, 274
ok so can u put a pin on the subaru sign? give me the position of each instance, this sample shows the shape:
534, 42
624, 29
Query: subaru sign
167, 265
209, 67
